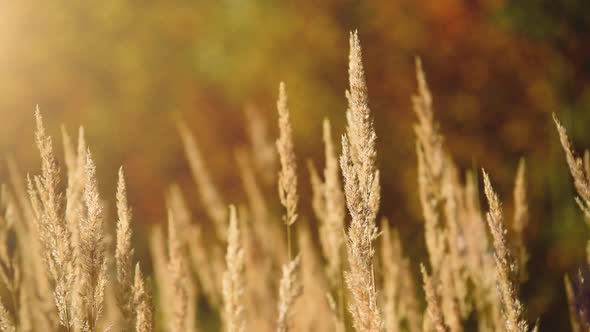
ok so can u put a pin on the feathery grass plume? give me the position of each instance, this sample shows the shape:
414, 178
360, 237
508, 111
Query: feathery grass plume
206, 257
578, 296
92, 268
74, 203
290, 285
362, 192
210, 197
268, 234
506, 268
520, 221
400, 304
54, 233
124, 253
110, 317
289, 291
437, 198
37, 292
433, 308
142, 304
457, 255
449, 294
429, 149
479, 262
165, 280
178, 278
260, 277
158, 251
207, 261
313, 307
473, 222
576, 325
331, 249
233, 278
431, 163
391, 261
75, 162
334, 197
10, 262
579, 170
329, 207
262, 148
288, 173
262, 237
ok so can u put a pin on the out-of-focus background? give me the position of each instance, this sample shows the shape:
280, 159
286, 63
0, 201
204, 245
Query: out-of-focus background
129, 70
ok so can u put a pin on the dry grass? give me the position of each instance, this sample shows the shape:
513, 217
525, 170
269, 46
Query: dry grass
506, 267
142, 303
124, 254
58, 266
289, 290
400, 302
580, 171
233, 279
178, 279
362, 192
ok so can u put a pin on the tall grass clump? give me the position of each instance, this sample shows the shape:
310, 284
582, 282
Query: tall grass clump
290, 284
580, 172
362, 192
263, 264
233, 283
505, 263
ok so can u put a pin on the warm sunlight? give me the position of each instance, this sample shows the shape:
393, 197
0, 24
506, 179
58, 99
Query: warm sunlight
371, 166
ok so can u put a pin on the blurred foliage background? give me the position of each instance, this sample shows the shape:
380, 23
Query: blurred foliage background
129, 70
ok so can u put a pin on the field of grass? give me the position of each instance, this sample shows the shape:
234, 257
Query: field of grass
248, 266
